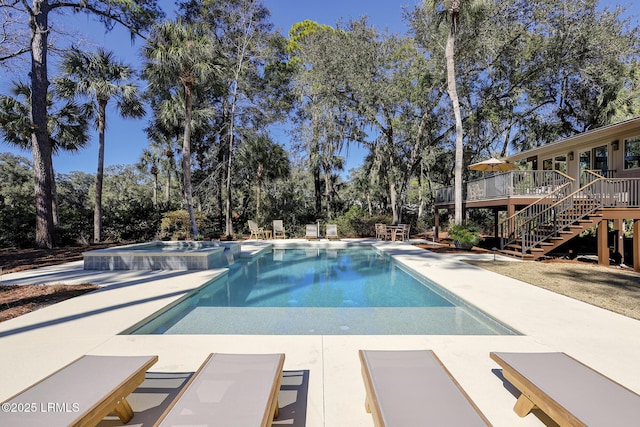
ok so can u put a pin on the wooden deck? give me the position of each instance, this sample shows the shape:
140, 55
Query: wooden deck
544, 210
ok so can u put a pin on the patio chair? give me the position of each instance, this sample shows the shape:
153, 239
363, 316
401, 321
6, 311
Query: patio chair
332, 232
278, 229
312, 232
401, 232
569, 392
82, 393
234, 390
411, 388
381, 231
256, 231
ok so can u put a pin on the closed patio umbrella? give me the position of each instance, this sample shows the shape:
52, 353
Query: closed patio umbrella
492, 165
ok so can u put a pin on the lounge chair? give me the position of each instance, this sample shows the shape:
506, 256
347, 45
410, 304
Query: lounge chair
332, 232
234, 390
257, 232
312, 232
81, 393
411, 388
278, 229
569, 392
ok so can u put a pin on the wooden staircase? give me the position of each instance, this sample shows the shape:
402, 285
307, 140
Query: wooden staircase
550, 222
552, 242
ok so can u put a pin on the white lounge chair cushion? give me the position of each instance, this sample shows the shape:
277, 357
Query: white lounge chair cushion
413, 388
85, 391
566, 389
233, 390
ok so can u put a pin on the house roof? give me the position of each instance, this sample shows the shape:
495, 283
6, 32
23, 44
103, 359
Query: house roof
603, 135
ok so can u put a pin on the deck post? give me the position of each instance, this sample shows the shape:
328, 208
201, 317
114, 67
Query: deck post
436, 220
511, 210
603, 247
636, 245
618, 225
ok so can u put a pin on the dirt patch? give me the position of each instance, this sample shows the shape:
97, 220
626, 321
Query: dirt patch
14, 260
17, 300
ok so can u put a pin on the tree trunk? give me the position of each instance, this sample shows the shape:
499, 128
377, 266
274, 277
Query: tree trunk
258, 195
315, 167
41, 146
420, 193
259, 179
167, 191
54, 199
186, 159
453, 94
327, 190
228, 223
393, 196
97, 208
155, 190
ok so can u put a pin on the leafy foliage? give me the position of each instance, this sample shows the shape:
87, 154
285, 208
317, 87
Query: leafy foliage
176, 225
465, 236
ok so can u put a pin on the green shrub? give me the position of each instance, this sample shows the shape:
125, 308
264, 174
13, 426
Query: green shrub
176, 225
465, 236
357, 223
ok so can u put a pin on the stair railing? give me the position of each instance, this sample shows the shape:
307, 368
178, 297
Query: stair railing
520, 226
533, 225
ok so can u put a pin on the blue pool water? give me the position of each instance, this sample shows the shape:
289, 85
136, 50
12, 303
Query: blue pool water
321, 291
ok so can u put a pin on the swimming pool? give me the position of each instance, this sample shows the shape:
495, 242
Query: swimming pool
351, 291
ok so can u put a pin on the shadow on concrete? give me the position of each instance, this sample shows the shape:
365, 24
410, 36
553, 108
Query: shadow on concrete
544, 418
159, 389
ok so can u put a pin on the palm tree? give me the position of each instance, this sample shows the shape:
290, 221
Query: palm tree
101, 78
67, 127
452, 10
183, 55
265, 160
149, 161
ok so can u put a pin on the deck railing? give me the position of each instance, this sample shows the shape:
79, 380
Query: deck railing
506, 184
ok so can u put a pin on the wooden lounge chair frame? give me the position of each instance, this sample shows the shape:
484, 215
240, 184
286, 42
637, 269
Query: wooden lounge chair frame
89, 388
256, 231
278, 229
413, 387
231, 389
311, 232
568, 391
332, 232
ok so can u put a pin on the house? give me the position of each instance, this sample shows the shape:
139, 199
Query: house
561, 189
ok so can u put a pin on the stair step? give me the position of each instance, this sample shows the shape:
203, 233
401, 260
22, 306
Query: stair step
516, 254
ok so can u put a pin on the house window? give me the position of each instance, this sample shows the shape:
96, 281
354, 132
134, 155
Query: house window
547, 164
600, 161
632, 153
560, 163
585, 164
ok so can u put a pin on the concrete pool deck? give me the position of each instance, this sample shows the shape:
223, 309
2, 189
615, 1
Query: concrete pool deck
323, 385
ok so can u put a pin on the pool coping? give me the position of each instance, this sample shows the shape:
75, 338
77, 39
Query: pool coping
31, 344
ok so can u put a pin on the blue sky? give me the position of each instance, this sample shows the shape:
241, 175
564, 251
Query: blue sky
125, 139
